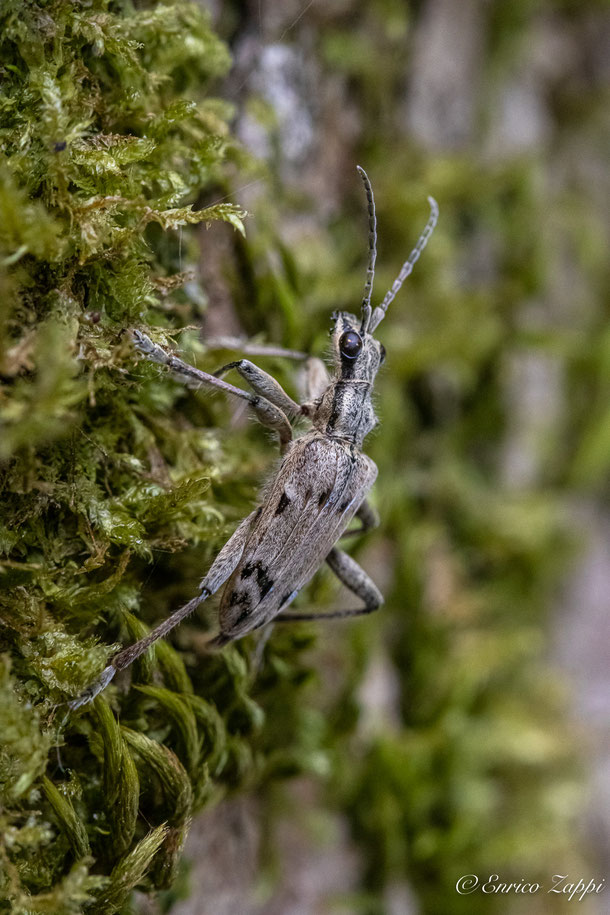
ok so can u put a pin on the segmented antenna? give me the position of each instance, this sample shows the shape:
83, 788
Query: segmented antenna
408, 265
370, 270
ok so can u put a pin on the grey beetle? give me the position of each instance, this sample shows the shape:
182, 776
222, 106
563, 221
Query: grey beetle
320, 485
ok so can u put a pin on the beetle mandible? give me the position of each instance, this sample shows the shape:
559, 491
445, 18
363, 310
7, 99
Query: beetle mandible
320, 485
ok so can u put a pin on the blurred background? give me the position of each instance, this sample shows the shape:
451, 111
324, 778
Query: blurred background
469, 719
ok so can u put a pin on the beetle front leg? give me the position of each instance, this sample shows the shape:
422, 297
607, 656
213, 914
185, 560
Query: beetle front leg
268, 413
262, 383
273, 418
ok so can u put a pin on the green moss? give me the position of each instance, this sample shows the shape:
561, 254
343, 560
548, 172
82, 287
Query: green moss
109, 469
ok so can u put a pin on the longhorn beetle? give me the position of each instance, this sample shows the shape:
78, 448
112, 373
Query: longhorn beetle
320, 484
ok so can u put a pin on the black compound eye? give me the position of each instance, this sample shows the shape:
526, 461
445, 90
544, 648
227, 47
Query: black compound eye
381, 353
350, 344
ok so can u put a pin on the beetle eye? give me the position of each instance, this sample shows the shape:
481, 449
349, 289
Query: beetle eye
350, 344
381, 353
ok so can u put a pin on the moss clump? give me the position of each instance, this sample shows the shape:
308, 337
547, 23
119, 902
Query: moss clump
108, 470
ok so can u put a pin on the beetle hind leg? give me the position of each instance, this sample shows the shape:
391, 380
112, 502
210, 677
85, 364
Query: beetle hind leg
220, 570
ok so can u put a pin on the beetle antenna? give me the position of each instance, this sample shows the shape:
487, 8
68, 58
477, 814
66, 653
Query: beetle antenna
408, 265
370, 270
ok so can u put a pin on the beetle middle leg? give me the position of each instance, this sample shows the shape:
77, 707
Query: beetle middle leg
353, 577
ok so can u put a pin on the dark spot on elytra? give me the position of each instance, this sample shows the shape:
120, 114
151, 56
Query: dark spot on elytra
344, 505
308, 494
247, 570
264, 582
262, 577
286, 598
240, 599
323, 497
281, 505
243, 616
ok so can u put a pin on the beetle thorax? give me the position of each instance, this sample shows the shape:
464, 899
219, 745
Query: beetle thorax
346, 411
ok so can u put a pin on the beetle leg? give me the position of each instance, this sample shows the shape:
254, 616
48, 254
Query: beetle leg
268, 413
252, 348
353, 577
368, 517
262, 383
220, 570
314, 379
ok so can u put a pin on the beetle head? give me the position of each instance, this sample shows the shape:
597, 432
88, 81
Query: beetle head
357, 354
